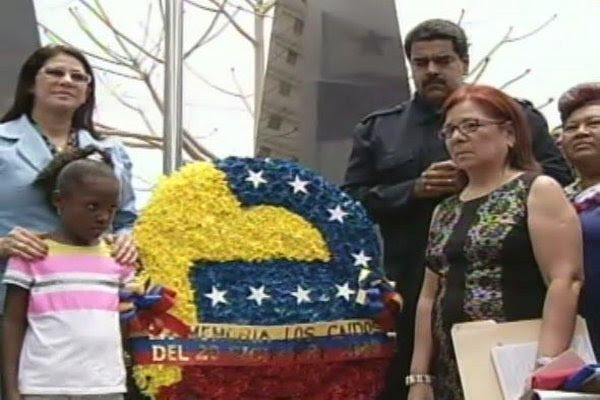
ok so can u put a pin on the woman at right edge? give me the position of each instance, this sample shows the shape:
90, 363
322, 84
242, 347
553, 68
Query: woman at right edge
508, 247
580, 112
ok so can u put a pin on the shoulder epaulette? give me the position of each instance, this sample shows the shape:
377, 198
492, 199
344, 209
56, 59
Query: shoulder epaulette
524, 102
386, 111
529, 107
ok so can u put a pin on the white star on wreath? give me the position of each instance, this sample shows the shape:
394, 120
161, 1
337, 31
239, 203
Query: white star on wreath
361, 259
255, 178
344, 291
301, 295
337, 214
217, 296
258, 294
299, 185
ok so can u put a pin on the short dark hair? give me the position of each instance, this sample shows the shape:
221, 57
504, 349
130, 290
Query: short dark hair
578, 96
23, 100
69, 168
434, 29
501, 106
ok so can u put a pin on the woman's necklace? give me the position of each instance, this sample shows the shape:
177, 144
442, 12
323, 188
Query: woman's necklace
55, 149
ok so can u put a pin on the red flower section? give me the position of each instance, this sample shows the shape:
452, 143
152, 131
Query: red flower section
356, 380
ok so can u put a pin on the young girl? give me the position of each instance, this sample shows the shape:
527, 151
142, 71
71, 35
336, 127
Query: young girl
61, 332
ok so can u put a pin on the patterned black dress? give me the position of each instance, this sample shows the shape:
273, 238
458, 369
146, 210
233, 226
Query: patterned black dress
482, 252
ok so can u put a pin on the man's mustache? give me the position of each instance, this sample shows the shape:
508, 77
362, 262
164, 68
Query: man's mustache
435, 80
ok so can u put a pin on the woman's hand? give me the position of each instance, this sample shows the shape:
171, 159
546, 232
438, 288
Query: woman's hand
23, 243
124, 250
420, 391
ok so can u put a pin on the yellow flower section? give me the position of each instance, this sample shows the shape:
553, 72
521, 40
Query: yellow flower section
193, 216
150, 378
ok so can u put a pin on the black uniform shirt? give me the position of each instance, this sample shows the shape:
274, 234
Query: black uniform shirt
391, 149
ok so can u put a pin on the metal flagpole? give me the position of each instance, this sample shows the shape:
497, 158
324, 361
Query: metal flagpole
259, 61
172, 129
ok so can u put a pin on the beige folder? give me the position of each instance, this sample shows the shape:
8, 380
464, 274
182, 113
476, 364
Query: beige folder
473, 342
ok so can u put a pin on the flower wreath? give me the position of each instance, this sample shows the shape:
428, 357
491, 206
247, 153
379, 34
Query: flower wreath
268, 277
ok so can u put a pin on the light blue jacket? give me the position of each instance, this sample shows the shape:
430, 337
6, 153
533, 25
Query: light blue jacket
23, 154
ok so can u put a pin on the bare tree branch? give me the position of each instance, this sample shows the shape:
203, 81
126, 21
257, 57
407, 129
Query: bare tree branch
134, 56
489, 54
135, 61
112, 72
256, 8
534, 31
156, 50
251, 4
203, 7
203, 37
108, 51
112, 131
55, 37
142, 179
484, 65
217, 33
221, 9
203, 153
461, 17
137, 145
161, 6
129, 61
146, 27
268, 6
239, 88
101, 15
239, 94
546, 103
515, 79
190, 145
136, 109
508, 39
150, 140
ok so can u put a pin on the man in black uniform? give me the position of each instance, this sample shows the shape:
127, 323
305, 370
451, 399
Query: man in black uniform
400, 169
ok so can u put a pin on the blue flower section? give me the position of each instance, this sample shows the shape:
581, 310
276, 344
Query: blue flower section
280, 279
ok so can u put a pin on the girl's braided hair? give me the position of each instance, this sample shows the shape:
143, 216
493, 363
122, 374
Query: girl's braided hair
81, 163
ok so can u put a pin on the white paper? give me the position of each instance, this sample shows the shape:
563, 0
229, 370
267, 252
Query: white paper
554, 395
514, 364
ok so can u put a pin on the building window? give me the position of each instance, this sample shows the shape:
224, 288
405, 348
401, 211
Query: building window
285, 88
298, 26
292, 57
264, 152
274, 122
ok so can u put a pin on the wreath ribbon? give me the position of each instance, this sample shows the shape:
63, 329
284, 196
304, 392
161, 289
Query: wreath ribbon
150, 312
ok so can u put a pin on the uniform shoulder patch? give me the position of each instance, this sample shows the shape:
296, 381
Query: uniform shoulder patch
386, 111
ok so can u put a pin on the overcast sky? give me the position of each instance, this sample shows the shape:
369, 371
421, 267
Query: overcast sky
562, 54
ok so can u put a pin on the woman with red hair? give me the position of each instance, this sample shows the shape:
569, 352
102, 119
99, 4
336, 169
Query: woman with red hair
507, 247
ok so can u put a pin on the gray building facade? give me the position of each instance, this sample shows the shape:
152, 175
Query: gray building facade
330, 63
